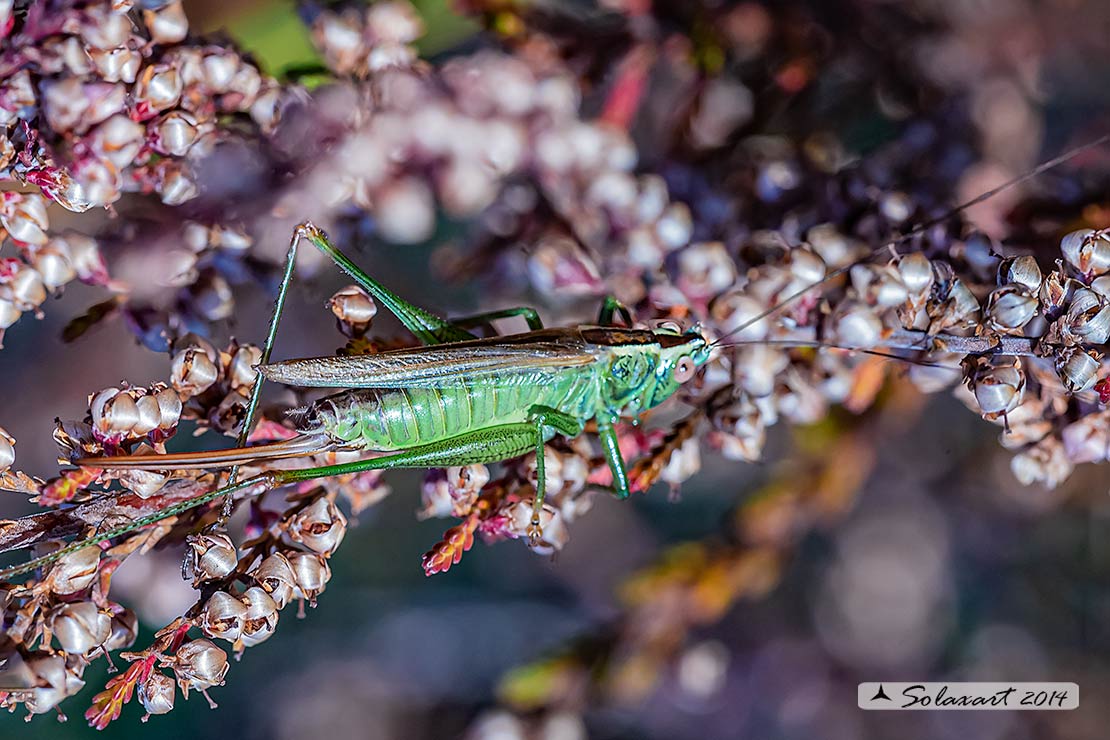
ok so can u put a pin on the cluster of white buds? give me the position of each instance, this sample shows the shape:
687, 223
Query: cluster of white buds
47, 261
250, 617
1060, 321
358, 41
452, 491
245, 620
49, 679
129, 414
215, 384
212, 297
566, 475
129, 101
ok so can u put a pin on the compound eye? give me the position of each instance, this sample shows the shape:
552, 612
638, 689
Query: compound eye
684, 370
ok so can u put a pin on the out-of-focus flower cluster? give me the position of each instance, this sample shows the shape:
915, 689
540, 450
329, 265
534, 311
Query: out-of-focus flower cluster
100, 99
627, 158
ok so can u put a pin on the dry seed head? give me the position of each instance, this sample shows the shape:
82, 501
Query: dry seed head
84, 255
156, 693
80, 627
1088, 317
405, 211
339, 39
125, 628
757, 368
116, 65
227, 416
998, 389
222, 616
24, 217
240, 371
54, 679
150, 415
466, 480
1101, 285
231, 238
176, 187
354, 310
1088, 251
118, 140
806, 266
275, 575
166, 25
1022, 270
916, 272
733, 309
857, 325
105, 28
210, 558
169, 407
199, 665
9, 314
1056, 291
25, 288
7, 450
260, 619
878, 285
312, 573
1077, 368
114, 414
74, 572
1011, 307
219, 68
319, 527
193, 371
394, 22
7, 151
705, 269
159, 87
836, 249
435, 496
1087, 439
143, 483
1045, 462
684, 464
53, 265
174, 133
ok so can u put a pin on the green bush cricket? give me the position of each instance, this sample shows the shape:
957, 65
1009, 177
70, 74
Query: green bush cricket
457, 400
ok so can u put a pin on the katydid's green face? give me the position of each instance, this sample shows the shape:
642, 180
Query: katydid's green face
681, 354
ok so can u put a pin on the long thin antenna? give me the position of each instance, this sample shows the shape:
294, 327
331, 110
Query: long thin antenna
1038, 170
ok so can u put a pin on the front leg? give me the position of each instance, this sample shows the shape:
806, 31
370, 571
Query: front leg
607, 433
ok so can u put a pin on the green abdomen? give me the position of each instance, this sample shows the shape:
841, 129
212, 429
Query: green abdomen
396, 418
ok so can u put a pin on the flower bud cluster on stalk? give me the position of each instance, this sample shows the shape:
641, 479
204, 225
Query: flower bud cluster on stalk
99, 99
619, 160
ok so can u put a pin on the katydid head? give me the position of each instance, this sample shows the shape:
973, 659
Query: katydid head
681, 353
